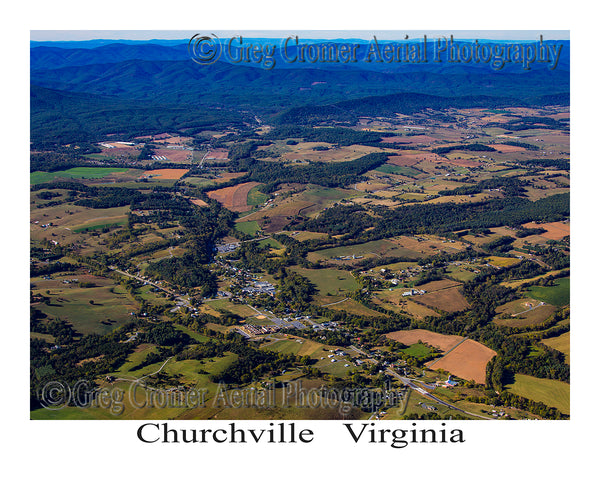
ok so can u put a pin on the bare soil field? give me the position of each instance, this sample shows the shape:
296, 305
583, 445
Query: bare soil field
555, 230
234, 198
166, 173
438, 340
468, 360
198, 202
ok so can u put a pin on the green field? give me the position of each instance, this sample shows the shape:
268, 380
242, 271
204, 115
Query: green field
417, 350
99, 226
329, 280
249, 228
77, 172
242, 310
111, 305
550, 392
269, 242
558, 295
256, 197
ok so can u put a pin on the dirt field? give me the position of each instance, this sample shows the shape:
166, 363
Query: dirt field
198, 202
166, 173
468, 360
234, 198
409, 337
555, 230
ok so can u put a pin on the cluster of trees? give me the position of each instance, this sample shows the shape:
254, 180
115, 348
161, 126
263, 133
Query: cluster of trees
511, 186
407, 103
526, 123
469, 147
543, 163
440, 218
252, 363
335, 135
66, 363
508, 399
326, 174
185, 272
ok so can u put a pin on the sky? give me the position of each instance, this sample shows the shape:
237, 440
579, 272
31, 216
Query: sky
81, 35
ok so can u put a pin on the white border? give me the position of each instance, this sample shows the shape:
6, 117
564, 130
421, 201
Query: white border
98, 449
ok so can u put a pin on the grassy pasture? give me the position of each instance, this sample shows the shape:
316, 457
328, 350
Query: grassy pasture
74, 173
558, 295
329, 280
72, 304
553, 393
256, 197
249, 227
523, 312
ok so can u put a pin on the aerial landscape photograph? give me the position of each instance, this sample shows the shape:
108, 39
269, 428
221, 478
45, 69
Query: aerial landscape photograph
300, 225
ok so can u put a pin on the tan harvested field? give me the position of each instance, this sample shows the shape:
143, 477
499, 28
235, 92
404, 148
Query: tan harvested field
304, 151
198, 202
427, 244
555, 230
166, 173
438, 340
219, 154
234, 198
446, 299
371, 186
177, 140
468, 360
558, 116
558, 139
395, 302
175, 156
507, 148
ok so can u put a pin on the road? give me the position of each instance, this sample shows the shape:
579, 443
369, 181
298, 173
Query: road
416, 388
150, 282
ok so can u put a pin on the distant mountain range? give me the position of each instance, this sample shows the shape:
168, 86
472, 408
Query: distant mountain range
131, 76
